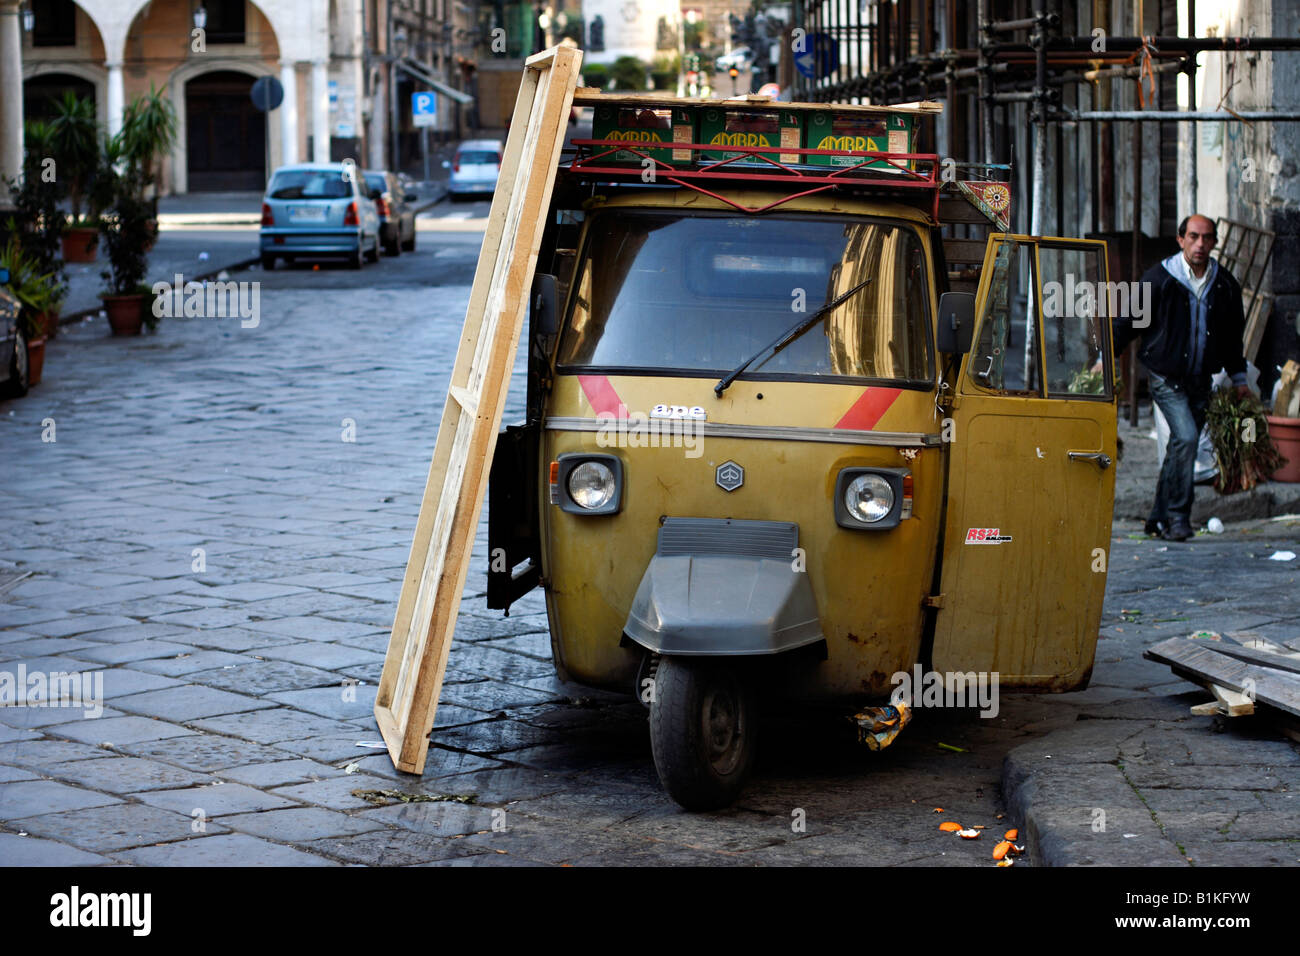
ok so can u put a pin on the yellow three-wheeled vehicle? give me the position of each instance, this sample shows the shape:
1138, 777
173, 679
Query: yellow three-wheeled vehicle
762, 430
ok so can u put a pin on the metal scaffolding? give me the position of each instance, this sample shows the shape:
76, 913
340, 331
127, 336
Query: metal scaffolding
1016, 84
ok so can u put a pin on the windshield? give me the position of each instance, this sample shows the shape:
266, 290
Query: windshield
309, 184
700, 294
376, 183
477, 157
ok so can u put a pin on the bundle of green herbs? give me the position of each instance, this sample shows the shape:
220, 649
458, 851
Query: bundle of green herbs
1242, 448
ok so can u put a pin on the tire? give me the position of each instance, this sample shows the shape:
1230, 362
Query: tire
373, 254
393, 248
268, 263
703, 724
409, 244
18, 382
358, 259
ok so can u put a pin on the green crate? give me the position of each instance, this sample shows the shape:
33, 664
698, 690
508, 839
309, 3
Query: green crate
644, 125
751, 127
892, 133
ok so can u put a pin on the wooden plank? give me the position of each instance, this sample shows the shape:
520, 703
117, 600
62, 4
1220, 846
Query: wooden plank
964, 250
1231, 702
1200, 663
1289, 662
407, 696
1288, 392
591, 96
960, 210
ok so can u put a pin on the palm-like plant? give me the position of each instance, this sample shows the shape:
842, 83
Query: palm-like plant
73, 141
148, 132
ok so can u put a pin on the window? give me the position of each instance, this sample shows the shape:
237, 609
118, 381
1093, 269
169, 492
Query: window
225, 21
700, 294
478, 157
1006, 359
310, 184
1076, 310
56, 23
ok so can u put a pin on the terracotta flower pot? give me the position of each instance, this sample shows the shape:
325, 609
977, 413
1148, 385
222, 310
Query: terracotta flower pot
79, 243
125, 313
1285, 433
49, 320
35, 359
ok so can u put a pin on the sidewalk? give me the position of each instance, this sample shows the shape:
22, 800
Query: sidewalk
1136, 474
1122, 774
200, 236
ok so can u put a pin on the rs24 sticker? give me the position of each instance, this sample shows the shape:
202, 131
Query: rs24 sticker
986, 536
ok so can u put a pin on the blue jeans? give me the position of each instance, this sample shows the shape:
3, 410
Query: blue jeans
1183, 406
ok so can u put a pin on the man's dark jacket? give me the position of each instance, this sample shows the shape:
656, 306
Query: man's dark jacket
1167, 341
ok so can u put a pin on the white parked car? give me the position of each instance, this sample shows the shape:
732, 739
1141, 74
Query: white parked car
740, 57
475, 167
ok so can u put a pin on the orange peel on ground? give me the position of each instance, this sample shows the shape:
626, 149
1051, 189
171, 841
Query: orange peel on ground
950, 826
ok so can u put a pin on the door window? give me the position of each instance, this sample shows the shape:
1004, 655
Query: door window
1076, 310
1006, 357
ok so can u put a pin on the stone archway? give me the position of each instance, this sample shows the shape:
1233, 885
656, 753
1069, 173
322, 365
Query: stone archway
50, 79
177, 85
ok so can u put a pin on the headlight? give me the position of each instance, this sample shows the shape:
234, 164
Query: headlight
587, 484
872, 499
591, 485
868, 498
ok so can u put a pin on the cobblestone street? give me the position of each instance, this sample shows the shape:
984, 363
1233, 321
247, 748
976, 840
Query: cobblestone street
217, 519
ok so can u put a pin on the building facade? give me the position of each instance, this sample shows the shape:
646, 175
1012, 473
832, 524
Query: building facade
206, 55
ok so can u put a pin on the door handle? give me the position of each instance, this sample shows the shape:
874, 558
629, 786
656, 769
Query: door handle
1101, 459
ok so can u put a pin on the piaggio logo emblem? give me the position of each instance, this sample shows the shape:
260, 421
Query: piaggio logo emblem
730, 476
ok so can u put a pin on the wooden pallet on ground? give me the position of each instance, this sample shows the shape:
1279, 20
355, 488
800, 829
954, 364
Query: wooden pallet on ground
1244, 677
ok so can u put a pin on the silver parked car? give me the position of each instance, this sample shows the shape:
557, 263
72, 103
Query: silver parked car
313, 210
475, 167
392, 199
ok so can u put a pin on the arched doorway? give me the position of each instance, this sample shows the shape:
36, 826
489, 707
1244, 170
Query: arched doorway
42, 92
225, 134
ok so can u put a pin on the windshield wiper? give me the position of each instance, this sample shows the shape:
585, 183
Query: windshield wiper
788, 336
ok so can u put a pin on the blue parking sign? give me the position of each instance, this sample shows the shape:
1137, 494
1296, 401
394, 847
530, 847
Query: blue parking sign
424, 109
819, 57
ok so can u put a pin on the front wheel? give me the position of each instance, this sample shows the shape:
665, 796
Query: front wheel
702, 731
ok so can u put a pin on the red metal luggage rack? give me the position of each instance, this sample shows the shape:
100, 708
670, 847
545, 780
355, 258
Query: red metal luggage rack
696, 172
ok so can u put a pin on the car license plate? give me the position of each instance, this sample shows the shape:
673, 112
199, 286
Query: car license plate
307, 213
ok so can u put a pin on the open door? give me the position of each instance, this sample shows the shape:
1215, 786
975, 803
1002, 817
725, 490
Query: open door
1032, 474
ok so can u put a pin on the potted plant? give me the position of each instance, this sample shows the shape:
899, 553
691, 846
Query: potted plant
33, 291
74, 147
126, 232
148, 133
39, 223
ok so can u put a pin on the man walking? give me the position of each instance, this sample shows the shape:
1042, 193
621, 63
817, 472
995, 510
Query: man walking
1195, 326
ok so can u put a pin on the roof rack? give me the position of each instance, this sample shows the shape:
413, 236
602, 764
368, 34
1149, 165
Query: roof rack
808, 148
873, 171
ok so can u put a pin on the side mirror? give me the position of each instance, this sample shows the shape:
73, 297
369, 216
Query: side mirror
446, 164
544, 318
956, 322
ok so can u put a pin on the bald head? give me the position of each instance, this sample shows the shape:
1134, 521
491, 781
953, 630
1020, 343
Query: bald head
1196, 237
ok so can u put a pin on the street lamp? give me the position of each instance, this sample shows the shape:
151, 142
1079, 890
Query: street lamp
200, 17
29, 19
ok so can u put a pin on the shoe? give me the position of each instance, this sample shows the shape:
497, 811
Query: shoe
1178, 531
1154, 528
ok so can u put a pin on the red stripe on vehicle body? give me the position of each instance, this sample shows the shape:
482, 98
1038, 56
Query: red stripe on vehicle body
600, 393
869, 409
